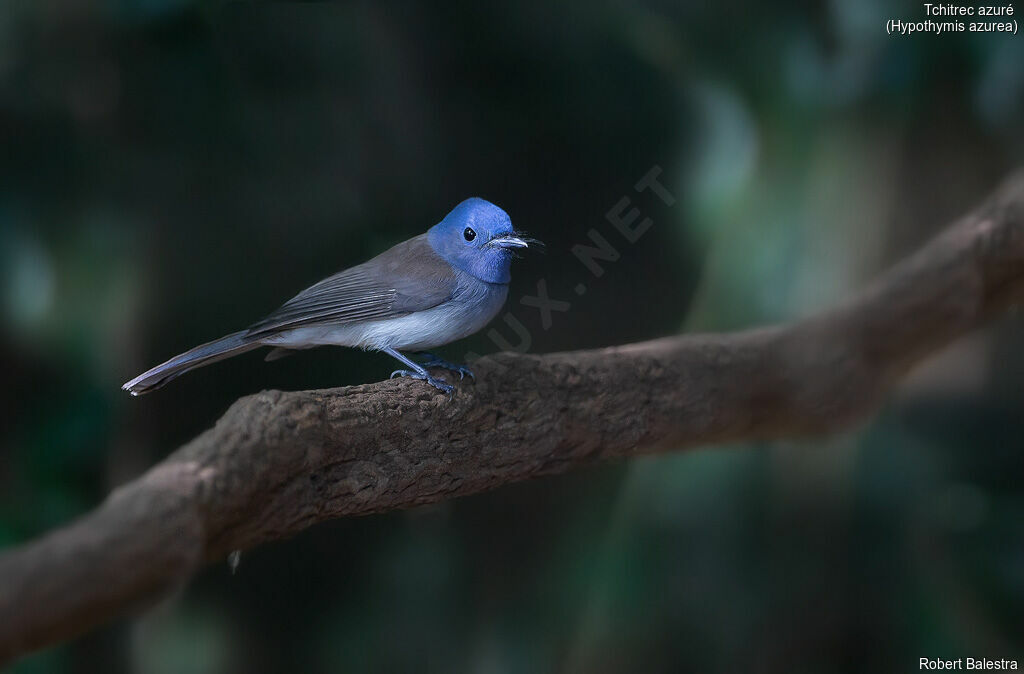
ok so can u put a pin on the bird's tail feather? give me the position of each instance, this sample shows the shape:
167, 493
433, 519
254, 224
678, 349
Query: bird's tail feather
204, 354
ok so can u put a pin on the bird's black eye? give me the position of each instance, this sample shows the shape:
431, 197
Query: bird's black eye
469, 234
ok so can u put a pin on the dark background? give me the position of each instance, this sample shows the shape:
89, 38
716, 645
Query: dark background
171, 170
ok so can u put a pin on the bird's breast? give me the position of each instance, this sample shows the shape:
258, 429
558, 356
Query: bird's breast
471, 308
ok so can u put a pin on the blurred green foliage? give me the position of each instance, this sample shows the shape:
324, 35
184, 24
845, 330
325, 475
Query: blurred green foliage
173, 169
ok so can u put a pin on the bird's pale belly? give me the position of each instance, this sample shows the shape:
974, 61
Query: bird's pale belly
460, 317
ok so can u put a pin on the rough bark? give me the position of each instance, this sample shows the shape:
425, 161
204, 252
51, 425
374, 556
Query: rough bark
279, 462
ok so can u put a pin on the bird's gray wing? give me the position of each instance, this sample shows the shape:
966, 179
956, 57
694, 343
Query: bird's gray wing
406, 278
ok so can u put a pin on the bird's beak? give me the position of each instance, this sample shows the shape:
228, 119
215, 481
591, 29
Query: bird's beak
508, 242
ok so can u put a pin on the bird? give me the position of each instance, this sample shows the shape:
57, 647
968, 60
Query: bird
427, 291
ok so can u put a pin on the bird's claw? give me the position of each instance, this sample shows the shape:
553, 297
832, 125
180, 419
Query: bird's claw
439, 384
434, 361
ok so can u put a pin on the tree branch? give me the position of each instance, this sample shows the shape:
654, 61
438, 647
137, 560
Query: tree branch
279, 462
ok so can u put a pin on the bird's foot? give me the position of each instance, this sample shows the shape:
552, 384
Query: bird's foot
435, 361
439, 384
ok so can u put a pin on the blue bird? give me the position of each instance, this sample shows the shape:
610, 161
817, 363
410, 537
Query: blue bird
433, 289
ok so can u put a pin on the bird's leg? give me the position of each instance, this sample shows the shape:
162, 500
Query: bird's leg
418, 372
436, 361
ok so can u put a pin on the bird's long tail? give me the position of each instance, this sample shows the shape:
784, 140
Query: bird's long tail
204, 354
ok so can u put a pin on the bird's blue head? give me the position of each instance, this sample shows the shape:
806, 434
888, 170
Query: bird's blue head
477, 237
